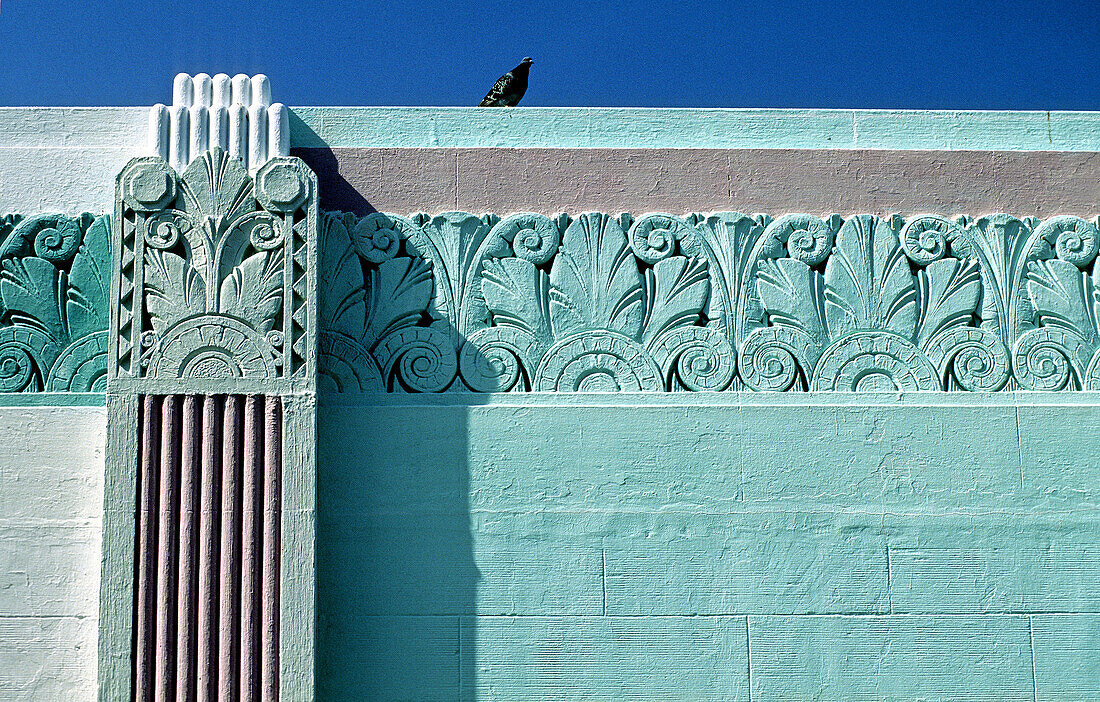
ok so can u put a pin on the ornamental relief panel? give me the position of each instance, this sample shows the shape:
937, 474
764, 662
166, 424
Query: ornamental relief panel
55, 276
726, 301
213, 269
212, 286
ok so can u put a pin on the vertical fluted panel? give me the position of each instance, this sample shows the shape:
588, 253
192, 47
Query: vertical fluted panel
166, 550
273, 448
207, 568
190, 452
145, 560
230, 571
209, 526
251, 545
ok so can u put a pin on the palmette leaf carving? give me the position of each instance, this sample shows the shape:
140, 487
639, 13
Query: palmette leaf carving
255, 289
793, 295
34, 291
398, 291
868, 284
517, 294
676, 290
90, 281
174, 289
340, 284
1064, 297
594, 281
223, 284
948, 291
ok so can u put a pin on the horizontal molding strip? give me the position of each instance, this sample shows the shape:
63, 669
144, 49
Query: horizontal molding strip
596, 127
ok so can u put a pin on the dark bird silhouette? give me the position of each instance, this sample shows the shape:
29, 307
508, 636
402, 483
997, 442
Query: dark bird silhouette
509, 88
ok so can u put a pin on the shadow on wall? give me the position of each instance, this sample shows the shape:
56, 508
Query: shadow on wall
335, 191
397, 581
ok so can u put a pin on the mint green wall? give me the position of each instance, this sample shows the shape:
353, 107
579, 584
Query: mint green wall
670, 547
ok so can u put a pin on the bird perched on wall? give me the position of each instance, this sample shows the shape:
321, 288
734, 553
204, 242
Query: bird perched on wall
510, 87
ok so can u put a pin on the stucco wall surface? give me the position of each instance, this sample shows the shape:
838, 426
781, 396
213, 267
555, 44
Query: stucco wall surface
679, 181
710, 547
64, 159
51, 502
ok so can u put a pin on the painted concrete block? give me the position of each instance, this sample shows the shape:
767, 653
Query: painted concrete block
60, 179
388, 658
1065, 472
1067, 657
417, 127
426, 563
890, 658
874, 457
607, 658
489, 458
53, 472
767, 563
48, 658
994, 563
590, 457
49, 570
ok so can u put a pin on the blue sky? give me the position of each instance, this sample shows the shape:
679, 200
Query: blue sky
1042, 54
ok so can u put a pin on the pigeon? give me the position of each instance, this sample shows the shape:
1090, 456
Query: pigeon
510, 87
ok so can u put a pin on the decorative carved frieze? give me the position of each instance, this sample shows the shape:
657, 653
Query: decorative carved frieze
55, 277
458, 302
726, 301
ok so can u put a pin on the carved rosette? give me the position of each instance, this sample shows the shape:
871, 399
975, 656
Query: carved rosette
213, 271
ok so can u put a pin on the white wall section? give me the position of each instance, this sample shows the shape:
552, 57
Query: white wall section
51, 501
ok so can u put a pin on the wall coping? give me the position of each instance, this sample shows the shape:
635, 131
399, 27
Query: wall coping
594, 127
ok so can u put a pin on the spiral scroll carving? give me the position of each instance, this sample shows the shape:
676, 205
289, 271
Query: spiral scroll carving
377, 237
924, 238
164, 230
22, 349
56, 237
695, 358
653, 237
807, 238
1048, 359
973, 357
1074, 239
775, 358
422, 359
499, 359
534, 237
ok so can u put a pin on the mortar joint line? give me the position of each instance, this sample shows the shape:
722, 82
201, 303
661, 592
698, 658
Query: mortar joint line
603, 578
748, 659
1031, 642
